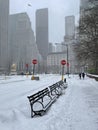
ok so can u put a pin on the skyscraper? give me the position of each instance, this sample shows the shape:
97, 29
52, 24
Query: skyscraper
86, 4
22, 41
42, 31
4, 15
70, 27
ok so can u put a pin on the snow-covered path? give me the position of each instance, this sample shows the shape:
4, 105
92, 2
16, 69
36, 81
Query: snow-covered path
77, 109
80, 116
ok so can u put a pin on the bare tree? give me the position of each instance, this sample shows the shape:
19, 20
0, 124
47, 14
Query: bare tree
87, 48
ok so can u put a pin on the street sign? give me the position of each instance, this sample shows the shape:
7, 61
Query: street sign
34, 61
63, 62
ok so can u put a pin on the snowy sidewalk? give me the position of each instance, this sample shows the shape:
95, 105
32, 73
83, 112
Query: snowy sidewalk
77, 109
83, 93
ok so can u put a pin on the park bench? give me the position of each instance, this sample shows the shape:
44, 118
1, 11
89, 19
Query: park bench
55, 90
40, 102
62, 84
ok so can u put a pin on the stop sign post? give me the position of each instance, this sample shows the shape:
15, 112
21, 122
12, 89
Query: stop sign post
63, 62
26, 67
34, 61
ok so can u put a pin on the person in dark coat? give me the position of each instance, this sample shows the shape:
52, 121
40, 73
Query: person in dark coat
80, 75
83, 75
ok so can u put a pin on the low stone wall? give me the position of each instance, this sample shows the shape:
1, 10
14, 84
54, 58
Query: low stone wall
92, 76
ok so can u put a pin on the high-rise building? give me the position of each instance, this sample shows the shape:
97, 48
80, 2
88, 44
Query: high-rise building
4, 15
86, 4
21, 41
42, 31
70, 27
58, 47
54, 61
51, 48
69, 41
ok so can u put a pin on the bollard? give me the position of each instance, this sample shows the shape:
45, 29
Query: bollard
32, 78
65, 80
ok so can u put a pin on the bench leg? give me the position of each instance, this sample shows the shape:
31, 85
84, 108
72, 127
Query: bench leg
42, 113
32, 113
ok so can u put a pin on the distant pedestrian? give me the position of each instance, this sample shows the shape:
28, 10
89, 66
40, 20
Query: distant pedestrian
83, 75
80, 75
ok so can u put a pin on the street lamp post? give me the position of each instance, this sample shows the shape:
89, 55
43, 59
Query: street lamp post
67, 58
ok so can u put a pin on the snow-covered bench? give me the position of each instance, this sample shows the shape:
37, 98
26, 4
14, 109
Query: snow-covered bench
55, 90
62, 84
40, 102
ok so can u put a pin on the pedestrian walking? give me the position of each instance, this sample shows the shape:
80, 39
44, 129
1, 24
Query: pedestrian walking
80, 75
83, 75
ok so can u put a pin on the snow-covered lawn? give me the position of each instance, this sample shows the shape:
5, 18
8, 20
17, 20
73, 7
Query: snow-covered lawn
76, 109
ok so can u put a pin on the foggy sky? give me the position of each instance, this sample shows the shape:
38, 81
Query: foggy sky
58, 9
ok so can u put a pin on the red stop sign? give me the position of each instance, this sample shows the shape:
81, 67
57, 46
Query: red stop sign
34, 61
63, 62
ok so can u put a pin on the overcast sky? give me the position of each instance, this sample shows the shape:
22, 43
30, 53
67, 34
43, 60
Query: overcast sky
58, 9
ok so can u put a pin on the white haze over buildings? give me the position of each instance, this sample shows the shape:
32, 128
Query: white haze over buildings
58, 9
